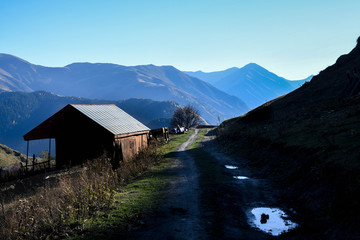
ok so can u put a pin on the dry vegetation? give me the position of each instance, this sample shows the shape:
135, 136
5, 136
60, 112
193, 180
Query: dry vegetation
9, 156
59, 209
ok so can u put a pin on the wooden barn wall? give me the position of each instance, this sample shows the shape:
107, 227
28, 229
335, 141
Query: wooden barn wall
74, 151
81, 139
130, 145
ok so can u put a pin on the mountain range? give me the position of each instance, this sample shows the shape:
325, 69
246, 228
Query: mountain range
252, 83
117, 82
145, 88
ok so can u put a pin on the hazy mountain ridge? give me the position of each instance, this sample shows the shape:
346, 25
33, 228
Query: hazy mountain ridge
117, 82
212, 77
251, 83
20, 112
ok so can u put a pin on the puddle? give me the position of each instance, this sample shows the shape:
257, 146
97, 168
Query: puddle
231, 167
271, 220
240, 177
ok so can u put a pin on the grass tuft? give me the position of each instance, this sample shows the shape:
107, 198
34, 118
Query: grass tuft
90, 201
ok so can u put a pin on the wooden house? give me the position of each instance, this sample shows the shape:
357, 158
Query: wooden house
83, 132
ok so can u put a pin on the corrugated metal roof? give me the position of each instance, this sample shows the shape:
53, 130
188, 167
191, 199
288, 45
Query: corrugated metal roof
111, 118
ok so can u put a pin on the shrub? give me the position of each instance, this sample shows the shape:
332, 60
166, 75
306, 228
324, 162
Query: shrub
80, 193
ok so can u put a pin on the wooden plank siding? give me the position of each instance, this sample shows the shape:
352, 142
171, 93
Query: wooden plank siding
131, 144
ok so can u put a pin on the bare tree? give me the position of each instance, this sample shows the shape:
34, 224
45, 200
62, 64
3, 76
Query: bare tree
177, 118
187, 117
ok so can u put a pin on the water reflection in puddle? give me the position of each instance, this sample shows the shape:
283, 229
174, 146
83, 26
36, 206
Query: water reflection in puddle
240, 177
271, 220
231, 167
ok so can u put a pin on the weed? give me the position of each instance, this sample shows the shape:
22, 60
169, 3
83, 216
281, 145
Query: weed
90, 197
79, 195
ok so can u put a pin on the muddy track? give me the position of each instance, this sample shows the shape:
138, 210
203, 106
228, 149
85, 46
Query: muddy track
236, 198
180, 216
220, 210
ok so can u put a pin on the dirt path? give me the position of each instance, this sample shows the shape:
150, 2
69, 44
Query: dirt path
180, 217
218, 210
236, 198
254, 191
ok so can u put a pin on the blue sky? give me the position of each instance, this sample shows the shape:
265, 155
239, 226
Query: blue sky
293, 39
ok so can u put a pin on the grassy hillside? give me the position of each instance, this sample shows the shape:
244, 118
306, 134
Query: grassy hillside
308, 141
9, 156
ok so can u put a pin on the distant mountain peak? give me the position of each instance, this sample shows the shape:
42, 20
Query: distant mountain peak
252, 83
253, 65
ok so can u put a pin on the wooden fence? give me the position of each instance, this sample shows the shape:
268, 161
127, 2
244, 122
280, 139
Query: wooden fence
20, 170
35, 165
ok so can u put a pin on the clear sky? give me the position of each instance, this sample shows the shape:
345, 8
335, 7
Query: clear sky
293, 39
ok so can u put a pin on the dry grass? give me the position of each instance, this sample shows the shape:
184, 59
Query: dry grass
9, 156
61, 209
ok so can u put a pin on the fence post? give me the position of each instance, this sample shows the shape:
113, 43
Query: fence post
49, 152
3, 217
33, 163
27, 156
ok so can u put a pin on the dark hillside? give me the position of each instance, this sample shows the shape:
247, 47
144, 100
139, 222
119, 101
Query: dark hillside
309, 142
332, 84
